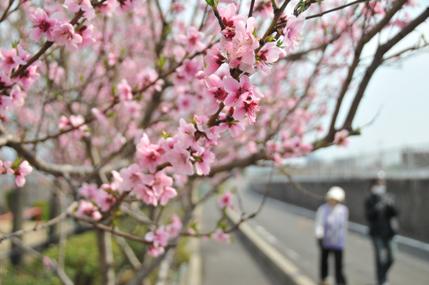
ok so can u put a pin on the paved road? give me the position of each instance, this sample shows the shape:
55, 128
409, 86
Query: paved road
228, 264
292, 234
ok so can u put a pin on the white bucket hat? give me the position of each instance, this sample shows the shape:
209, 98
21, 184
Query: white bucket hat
381, 175
336, 193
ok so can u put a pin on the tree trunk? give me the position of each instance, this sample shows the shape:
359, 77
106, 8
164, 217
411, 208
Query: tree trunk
104, 241
54, 210
16, 204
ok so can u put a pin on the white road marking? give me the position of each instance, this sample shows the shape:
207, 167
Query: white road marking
266, 234
292, 253
273, 240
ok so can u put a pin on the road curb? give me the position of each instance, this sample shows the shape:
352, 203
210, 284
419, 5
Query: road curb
194, 274
283, 270
195, 267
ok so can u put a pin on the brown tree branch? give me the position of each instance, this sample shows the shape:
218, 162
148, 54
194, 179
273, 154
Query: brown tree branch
377, 61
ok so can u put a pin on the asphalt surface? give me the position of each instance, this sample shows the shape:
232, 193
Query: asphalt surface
292, 233
228, 264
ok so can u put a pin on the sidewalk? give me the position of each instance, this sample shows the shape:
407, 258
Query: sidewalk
292, 234
228, 263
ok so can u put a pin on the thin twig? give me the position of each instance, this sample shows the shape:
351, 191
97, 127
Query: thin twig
335, 9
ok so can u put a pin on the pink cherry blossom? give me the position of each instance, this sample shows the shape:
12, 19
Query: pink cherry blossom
155, 251
77, 5
166, 195
107, 7
203, 161
229, 18
5, 103
150, 157
21, 172
4, 79
186, 134
126, 5
64, 34
146, 194
134, 177
124, 90
241, 48
117, 181
269, 53
87, 34
214, 60
56, 73
192, 40
374, 8
181, 162
177, 7
43, 25
104, 200
225, 201
159, 238
160, 181
220, 236
341, 138
149, 77
5, 167
27, 78
17, 96
292, 33
89, 191
76, 122
215, 87
237, 91
233, 126
48, 263
88, 210
188, 70
10, 59
265, 8
174, 227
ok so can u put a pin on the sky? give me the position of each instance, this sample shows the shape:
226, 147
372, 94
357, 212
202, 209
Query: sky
398, 98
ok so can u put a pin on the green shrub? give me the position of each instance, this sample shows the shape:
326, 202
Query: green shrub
32, 273
44, 206
80, 259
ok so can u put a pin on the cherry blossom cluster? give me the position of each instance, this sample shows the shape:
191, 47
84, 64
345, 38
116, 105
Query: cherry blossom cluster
160, 237
50, 24
137, 103
10, 60
231, 102
19, 170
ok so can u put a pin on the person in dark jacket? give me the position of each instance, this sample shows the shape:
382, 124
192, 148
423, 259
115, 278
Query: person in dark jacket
381, 215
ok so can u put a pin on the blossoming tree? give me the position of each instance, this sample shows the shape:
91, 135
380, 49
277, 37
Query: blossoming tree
128, 104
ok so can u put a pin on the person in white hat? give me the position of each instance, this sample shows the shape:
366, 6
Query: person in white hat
331, 227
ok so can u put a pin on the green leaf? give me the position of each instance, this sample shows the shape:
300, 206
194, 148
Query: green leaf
161, 62
212, 3
15, 44
16, 163
304, 5
165, 135
223, 225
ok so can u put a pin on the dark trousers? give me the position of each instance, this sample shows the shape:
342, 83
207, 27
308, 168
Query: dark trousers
383, 257
324, 260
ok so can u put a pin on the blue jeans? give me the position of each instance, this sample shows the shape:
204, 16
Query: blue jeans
383, 257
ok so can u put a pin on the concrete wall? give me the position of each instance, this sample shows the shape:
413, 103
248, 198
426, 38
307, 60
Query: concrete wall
411, 196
